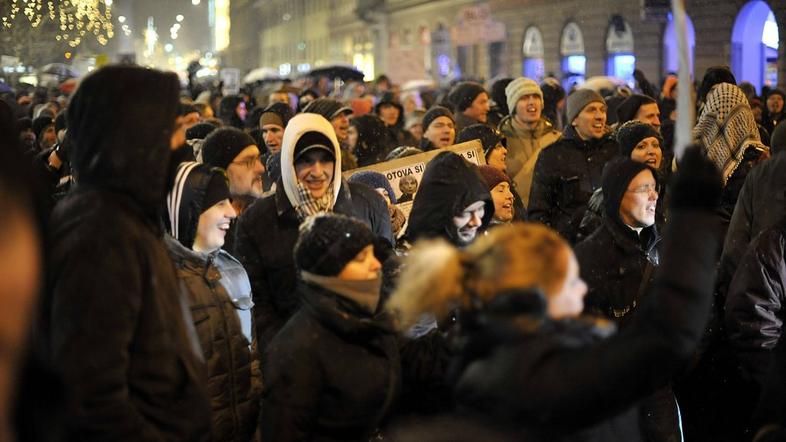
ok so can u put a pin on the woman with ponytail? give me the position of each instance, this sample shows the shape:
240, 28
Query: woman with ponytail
527, 361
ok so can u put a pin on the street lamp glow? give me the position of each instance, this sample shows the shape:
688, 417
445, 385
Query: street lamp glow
179, 17
168, 47
195, 2
108, 2
121, 18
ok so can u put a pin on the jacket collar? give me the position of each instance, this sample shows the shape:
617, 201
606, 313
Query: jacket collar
628, 239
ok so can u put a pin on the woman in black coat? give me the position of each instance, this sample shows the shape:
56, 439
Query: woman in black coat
334, 370
529, 363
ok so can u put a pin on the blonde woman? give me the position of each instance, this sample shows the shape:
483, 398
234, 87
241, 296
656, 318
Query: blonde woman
528, 361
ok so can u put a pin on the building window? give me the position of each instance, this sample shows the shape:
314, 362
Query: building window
574, 62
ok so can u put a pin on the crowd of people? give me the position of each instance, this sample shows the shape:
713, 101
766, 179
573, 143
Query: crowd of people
182, 265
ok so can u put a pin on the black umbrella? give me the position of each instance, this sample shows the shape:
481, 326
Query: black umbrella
60, 70
342, 71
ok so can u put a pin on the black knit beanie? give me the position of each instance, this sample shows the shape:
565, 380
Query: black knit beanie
628, 108
463, 94
327, 107
217, 190
434, 113
328, 241
631, 133
223, 145
200, 131
488, 137
276, 113
41, 123
617, 175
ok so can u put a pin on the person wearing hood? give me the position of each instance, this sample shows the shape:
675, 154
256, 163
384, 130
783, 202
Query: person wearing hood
219, 293
528, 362
369, 139
527, 132
232, 111
338, 116
439, 129
333, 372
500, 189
310, 183
378, 182
453, 202
642, 143
495, 151
729, 135
195, 137
569, 171
470, 103
114, 320
392, 114
776, 99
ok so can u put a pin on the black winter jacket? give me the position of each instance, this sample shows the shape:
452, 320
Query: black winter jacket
234, 403
613, 261
754, 311
761, 204
559, 380
266, 236
332, 373
566, 174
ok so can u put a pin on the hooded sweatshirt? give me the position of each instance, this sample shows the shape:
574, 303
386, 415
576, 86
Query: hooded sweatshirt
450, 184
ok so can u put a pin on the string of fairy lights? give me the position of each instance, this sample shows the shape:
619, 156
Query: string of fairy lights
76, 19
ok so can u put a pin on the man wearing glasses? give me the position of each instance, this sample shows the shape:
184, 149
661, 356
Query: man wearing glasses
237, 153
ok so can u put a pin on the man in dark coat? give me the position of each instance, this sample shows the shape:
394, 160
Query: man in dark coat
115, 321
453, 202
569, 171
761, 204
310, 182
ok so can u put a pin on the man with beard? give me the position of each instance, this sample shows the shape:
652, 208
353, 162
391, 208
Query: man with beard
238, 154
310, 183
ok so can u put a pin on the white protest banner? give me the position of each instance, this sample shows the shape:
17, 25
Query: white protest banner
685, 107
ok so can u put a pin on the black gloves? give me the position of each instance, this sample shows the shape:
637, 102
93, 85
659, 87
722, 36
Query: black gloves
697, 184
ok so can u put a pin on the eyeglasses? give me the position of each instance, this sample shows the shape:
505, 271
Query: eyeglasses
647, 188
249, 162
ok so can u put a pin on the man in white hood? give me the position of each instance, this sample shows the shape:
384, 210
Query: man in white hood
310, 183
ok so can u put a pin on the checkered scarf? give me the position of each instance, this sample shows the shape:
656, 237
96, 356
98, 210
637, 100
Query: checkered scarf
307, 205
726, 128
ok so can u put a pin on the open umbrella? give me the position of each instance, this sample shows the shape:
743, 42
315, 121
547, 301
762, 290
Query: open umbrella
59, 69
344, 71
419, 85
262, 74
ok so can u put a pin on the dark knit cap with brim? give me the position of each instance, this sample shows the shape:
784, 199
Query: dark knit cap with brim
327, 107
223, 145
631, 133
488, 137
313, 141
434, 113
327, 242
627, 110
617, 175
777, 91
463, 94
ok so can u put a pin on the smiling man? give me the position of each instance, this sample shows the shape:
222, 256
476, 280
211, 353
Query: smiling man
310, 183
527, 132
569, 171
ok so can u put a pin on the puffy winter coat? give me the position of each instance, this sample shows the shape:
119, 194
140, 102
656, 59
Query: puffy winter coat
566, 174
613, 261
332, 372
565, 380
226, 349
115, 321
268, 229
524, 146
